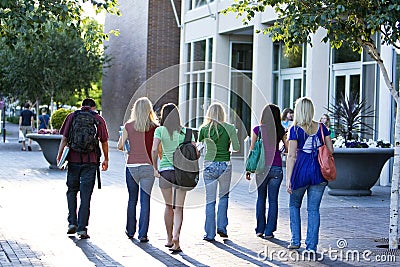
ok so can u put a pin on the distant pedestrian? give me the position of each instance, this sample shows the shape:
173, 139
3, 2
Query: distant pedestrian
139, 131
82, 130
326, 120
218, 136
287, 118
170, 134
26, 125
303, 172
269, 180
44, 120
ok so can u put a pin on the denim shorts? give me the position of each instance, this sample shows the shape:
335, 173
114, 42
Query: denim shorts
167, 179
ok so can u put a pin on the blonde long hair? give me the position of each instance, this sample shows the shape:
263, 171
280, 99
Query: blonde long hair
215, 116
304, 114
143, 115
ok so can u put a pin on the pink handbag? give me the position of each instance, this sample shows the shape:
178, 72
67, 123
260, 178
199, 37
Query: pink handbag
326, 161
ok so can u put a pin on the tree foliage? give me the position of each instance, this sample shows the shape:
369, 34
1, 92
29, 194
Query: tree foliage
27, 20
58, 65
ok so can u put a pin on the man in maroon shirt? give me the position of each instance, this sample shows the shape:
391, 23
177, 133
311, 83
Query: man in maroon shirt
82, 170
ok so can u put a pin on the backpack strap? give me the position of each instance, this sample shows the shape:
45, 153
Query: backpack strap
188, 136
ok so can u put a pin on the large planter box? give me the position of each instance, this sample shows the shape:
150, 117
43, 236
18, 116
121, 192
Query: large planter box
49, 143
358, 169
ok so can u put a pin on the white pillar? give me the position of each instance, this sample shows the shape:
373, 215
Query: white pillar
262, 72
317, 73
220, 69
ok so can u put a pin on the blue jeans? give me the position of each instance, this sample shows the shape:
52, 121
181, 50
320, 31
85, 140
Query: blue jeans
314, 196
217, 173
268, 184
142, 176
80, 178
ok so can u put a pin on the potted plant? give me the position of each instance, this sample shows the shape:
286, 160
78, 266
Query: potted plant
49, 139
358, 162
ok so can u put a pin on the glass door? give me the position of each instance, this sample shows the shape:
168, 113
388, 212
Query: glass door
346, 83
291, 85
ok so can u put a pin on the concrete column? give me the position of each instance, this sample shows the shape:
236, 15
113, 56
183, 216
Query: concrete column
220, 69
317, 73
262, 72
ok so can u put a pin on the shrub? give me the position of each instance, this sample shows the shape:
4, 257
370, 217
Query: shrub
14, 119
58, 117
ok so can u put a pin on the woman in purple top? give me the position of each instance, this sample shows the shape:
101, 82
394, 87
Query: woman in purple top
269, 180
303, 172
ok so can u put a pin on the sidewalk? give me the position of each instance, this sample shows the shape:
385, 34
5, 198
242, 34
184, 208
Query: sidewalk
33, 214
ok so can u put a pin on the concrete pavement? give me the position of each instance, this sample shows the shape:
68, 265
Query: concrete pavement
33, 223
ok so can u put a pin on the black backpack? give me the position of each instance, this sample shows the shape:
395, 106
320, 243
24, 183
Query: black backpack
82, 136
186, 163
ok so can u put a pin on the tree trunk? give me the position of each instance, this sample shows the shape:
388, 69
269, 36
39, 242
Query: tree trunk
394, 195
51, 109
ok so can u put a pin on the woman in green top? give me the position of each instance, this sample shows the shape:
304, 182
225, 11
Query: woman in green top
170, 134
218, 136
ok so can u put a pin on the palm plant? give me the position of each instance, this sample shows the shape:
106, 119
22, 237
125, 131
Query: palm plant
350, 115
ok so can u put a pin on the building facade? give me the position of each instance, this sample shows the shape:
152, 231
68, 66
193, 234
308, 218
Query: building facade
148, 42
223, 60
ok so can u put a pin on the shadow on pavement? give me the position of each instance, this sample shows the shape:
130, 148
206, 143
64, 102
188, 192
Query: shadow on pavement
166, 258
94, 253
240, 252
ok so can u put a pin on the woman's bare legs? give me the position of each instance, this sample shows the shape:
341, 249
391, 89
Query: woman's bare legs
168, 214
178, 217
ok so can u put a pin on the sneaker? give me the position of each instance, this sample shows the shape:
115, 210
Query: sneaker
83, 235
221, 234
208, 239
71, 229
260, 235
293, 246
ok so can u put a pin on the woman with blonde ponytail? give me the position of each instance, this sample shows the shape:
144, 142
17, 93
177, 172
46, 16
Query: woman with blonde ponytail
218, 136
303, 172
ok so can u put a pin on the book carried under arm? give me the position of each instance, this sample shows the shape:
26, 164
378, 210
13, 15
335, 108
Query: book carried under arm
63, 160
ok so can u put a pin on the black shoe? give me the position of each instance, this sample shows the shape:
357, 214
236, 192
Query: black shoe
128, 235
144, 239
208, 239
71, 229
83, 235
29, 148
223, 235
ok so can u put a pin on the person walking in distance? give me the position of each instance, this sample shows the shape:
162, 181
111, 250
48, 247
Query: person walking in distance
287, 118
81, 132
218, 136
269, 180
26, 125
139, 173
303, 172
170, 134
44, 120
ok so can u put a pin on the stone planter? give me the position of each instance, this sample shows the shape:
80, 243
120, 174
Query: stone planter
49, 144
358, 169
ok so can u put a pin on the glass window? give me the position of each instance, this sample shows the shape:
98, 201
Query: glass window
242, 56
345, 54
199, 54
197, 3
291, 59
276, 56
340, 87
